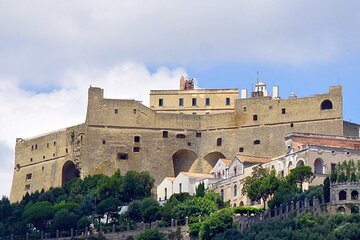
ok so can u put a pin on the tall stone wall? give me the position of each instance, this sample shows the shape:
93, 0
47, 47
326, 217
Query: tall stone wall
168, 143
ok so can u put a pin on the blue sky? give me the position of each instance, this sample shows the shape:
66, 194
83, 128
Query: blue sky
51, 51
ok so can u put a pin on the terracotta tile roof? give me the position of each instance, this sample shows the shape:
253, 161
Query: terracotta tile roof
253, 159
197, 175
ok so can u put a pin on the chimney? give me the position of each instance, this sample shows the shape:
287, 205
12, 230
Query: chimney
243, 94
182, 83
276, 92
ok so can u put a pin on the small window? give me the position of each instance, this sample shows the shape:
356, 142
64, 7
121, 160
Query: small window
31, 159
103, 142
165, 134
180, 187
244, 109
47, 145
270, 107
333, 167
35, 146
161, 102
165, 197
136, 149
241, 149
283, 111
198, 134
43, 168
54, 143
116, 111
189, 144
255, 117
67, 150
194, 102
137, 139
32, 147
227, 101
43, 157
218, 141
291, 124
28, 176
326, 105
256, 142
181, 102
53, 154
194, 113
122, 156
134, 111
207, 101
180, 135
27, 187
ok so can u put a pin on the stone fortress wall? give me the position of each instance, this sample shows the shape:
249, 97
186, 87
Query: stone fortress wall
126, 135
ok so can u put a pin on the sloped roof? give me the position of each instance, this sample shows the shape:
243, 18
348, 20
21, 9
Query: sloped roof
197, 175
170, 178
227, 162
253, 159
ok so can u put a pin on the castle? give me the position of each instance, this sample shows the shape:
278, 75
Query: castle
184, 130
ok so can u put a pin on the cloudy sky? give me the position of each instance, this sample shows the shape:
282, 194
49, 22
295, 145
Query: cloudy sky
51, 51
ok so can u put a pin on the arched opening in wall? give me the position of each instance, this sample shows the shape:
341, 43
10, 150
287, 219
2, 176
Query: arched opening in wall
319, 166
326, 105
341, 209
342, 195
69, 172
183, 161
235, 190
234, 205
300, 163
211, 160
354, 195
290, 166
222, 194
354, 209
241, 204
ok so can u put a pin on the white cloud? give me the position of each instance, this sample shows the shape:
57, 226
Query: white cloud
49, 36
32, 113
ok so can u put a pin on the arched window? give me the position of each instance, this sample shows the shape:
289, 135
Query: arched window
290, 166
341, 209
235, 190
342, 195
326, 104
319, 166
241, 204
354, 195
300, 163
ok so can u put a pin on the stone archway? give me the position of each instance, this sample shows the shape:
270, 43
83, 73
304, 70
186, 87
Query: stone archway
69, 172
319, 166
341, 209
183, 161
210, 161
342, 195
300, 163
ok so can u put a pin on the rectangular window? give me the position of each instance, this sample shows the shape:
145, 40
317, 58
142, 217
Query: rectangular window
32, 147
207, 101
241, 149
333, 166
103, 142
165, 194
137, 139
67, 150
35, 146
136, 149
255, 117
28, 176
198, 134
161, 102
122, 156
27, 187
180, 188
194, 102
165, 134
116, 111
244, 109
227, 101
47, 145
283, 111
181, 102
54, 143
218, 142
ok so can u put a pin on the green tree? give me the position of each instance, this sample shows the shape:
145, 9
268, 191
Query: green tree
200, 190
261, 185
194, 208
151, 234
134, 211
301, 174
64, 220
218, 222
108, 206
326, 189
137, 186
39, 214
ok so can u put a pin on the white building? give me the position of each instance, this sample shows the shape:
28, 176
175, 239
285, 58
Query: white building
165, 189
